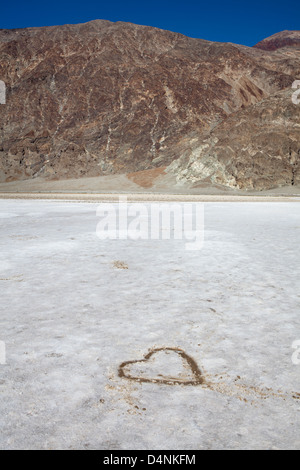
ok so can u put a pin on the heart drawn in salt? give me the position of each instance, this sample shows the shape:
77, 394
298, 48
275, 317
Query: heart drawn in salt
168, 366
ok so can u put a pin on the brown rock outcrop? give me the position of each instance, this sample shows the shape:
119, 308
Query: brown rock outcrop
280, 40
254, 148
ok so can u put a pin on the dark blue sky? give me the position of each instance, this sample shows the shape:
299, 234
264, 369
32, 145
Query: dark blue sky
228, 21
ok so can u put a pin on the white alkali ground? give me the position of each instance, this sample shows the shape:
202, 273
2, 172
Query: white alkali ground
74, 308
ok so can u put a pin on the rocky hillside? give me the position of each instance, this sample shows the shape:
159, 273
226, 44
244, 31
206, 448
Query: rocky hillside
102, 98
280, 40
254, 148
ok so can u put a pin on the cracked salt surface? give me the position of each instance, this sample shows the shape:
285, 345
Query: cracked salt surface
70, 318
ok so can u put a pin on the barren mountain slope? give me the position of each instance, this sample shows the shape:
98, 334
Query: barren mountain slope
280, 40
254, 148
102, 98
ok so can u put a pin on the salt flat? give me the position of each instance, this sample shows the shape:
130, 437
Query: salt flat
103, 337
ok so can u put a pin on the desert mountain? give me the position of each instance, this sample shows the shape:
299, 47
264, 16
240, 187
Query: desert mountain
102, 98
280, 40
254, 148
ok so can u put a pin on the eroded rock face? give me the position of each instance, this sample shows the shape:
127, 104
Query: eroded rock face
102, 98
255, 148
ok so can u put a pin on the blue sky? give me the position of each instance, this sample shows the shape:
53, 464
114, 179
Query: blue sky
225, 21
